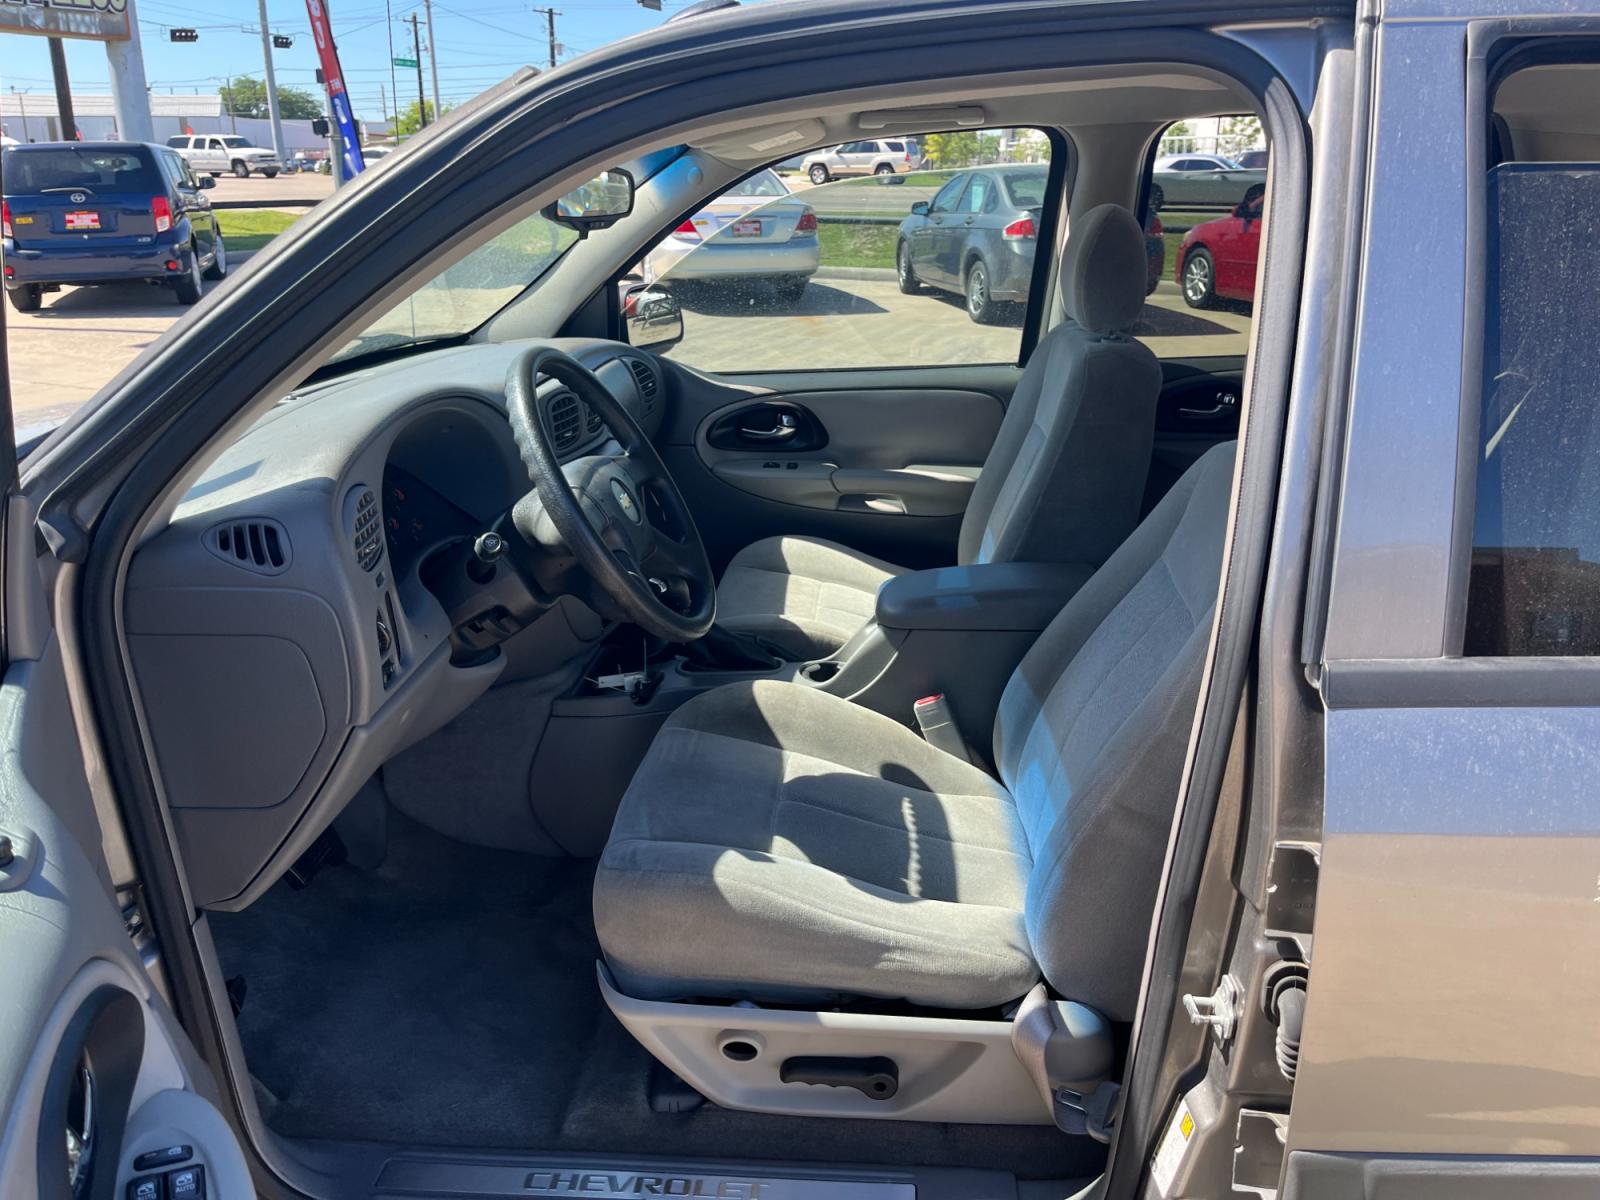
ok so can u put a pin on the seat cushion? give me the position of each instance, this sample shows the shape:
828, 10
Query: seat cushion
779, 843
805, 595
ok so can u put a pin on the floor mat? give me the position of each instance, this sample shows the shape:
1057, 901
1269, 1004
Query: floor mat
448, 999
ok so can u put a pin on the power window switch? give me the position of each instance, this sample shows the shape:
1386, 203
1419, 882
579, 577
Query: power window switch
186, 1183
146, 1187
167, 1156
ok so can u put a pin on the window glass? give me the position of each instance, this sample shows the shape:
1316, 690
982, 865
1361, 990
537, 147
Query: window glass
178, 142
1202, 246
912, 270
1534, 583
30, 170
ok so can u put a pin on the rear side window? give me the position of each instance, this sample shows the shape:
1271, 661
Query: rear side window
1534, 583
64, 169
178, 143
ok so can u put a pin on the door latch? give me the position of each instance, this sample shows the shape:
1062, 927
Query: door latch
1220, 1010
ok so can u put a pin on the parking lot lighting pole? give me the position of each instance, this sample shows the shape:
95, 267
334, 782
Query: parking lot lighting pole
272, 86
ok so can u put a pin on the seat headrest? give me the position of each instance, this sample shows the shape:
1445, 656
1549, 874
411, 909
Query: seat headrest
1103, 270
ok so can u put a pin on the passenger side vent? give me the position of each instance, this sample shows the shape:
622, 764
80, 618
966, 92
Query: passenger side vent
644, 376
595, 422
366, 528
254, 543
565, 417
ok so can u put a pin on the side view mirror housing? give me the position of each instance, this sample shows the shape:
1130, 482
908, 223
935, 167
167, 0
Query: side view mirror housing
598, 204
206, 182
653, 317
920, 208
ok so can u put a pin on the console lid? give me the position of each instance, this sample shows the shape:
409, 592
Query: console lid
1010, 596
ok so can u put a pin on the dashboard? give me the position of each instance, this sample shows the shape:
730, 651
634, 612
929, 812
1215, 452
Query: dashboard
281, 637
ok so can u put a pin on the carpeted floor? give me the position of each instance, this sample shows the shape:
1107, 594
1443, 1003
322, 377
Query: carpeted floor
448, 999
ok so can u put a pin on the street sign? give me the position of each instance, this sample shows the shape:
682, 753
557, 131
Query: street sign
404, 62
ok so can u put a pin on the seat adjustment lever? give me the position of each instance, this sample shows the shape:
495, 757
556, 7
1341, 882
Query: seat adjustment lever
875, 1078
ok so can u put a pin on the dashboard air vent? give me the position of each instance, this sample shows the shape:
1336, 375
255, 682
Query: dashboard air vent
595, 423
254, 543
366, 528
566, 421
644, 376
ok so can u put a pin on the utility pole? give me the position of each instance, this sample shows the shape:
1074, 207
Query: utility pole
416, 51
550, 16
227, 90
272, 87
22, 109
58, 69
383, 104
433, 59
394, 81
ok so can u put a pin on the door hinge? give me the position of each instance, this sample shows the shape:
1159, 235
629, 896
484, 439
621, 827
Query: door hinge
1220, 1010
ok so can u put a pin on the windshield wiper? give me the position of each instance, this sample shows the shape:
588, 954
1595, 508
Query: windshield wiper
386, 346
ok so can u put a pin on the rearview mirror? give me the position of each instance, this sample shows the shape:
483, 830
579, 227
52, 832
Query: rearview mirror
598, 204
653, 317
920, 208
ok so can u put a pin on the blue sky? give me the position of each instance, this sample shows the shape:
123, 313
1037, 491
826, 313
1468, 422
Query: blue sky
480, 42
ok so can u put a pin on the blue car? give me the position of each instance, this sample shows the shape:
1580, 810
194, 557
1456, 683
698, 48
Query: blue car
85, 213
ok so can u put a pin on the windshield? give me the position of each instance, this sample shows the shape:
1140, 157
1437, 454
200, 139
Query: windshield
462, 297
762, 184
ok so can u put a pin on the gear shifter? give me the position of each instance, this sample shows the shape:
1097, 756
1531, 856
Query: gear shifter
724, 650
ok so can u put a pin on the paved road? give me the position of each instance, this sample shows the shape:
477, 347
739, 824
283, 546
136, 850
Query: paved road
861, 197
287, 190
81, 337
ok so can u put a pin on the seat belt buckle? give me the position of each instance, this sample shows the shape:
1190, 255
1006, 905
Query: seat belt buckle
938, 726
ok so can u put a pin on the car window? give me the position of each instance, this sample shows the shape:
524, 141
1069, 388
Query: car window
180, 168
978, 193
1025, 188
846, 275
32, 170
949, 195
177, 142
1534, 575
762, 183
1201, 259
214, 144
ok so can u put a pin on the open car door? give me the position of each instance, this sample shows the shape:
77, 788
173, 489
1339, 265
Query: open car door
101, 1094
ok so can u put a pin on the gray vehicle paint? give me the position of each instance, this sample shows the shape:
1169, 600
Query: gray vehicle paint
966, 223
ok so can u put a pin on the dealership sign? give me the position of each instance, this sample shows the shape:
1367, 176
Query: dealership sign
104, 20
338, 98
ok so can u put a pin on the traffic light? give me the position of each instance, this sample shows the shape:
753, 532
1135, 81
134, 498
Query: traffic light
319, 126
282, 41
652, 5
184, 35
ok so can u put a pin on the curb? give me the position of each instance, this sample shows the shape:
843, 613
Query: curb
883, 274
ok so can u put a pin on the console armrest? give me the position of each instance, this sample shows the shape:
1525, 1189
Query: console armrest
1009, 596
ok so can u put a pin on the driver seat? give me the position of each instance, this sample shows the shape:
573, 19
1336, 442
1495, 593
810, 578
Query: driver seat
1062, 483
782, 844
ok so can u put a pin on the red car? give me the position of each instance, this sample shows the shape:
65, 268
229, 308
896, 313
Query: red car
1217, 260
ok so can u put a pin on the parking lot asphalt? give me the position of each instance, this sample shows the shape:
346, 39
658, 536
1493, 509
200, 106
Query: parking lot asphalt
294, 192
81, 337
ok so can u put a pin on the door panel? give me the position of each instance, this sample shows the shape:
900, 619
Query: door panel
883, 461
1198, 408
90, 1056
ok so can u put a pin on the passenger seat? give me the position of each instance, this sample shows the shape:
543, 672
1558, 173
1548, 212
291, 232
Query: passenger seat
1062, 483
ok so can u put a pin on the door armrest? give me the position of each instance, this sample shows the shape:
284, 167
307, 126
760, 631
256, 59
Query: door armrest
1005, 596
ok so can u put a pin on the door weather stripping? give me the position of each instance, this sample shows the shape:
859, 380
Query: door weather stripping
1220, 1010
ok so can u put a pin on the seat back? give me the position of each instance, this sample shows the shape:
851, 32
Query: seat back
1092, 732
1066, 475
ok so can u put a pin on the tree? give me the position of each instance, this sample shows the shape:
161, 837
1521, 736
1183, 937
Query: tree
1239, 134
408, 121
246, 96
952, 149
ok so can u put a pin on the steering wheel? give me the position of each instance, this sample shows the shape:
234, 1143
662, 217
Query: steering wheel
619, 515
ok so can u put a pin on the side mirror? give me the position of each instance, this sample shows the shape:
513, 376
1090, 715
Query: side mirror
598, 204
653, 317
206, 182
920, 208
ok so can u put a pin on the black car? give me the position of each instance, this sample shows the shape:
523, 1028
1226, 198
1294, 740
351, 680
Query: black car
106, 212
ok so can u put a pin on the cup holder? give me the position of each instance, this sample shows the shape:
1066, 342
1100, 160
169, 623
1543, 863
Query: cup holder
820, 672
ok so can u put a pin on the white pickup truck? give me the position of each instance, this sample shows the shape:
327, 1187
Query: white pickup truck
214, 153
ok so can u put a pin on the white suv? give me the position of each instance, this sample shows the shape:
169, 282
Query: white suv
214, 153
882, 157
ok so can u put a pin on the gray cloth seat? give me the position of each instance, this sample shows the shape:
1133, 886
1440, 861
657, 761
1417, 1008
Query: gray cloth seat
778, 843
1063, 481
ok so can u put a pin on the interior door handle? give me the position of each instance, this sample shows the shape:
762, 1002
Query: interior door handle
1226, 403
788, 425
